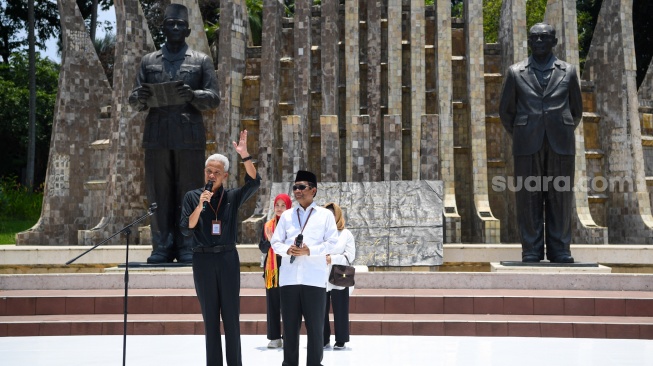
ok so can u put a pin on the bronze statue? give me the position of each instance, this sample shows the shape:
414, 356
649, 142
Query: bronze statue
541, 105
175, 84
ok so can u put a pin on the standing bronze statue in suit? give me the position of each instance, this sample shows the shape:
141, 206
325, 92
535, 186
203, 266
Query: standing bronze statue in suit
541, 105
174, 138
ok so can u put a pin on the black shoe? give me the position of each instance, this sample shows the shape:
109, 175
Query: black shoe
157, 258
530, 258
186, 258
339, 345
563, 259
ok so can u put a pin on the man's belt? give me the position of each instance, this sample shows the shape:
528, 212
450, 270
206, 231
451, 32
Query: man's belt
215, 249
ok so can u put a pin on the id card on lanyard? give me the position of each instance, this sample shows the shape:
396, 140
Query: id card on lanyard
216, 225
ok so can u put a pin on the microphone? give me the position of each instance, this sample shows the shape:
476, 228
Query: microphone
298, 243
209, 187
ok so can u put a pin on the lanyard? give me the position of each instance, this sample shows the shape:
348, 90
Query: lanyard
300, 221
219, 203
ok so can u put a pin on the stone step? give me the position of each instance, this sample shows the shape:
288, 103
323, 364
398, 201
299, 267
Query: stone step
362, 301
360, 324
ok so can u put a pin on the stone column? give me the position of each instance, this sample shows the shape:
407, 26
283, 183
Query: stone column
486, 228
302, 91
392, 147
375, 167
629, 209
561, 14
352, 77
394, 57
514, 48
291, 161
329, 55
417, 83
360, 148
269, 121
330, 149
444, 85
231, 70
429, 156
83, 91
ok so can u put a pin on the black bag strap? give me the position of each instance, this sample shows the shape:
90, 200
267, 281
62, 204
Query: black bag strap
347, 258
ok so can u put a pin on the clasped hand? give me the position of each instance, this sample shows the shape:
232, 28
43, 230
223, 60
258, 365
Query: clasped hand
299, 251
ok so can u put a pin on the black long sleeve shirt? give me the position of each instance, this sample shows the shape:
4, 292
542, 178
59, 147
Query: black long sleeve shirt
227, 213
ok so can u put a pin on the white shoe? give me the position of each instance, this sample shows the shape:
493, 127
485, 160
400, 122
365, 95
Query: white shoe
276, 343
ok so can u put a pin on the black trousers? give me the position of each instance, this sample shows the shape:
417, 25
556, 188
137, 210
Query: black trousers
339, 300
298, 301
217, 284
544, 214
273, 302
169, 174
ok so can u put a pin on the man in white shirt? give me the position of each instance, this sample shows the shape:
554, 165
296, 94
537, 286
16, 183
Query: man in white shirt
304, 271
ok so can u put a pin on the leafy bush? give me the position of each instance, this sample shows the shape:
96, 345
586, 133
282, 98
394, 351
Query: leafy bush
17, 202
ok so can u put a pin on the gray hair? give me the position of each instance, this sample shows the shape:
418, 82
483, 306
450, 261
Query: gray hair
220, 159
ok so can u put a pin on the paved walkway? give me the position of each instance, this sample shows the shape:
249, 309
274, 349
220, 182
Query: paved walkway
362, 351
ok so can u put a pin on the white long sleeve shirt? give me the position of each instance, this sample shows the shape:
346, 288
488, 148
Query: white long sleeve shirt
321, 237
346, 247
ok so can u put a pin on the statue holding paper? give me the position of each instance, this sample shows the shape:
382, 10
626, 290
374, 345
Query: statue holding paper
174, 84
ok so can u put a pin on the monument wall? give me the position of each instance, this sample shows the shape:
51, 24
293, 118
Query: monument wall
381, 91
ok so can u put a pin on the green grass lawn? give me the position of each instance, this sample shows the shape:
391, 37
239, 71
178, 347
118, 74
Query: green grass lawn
9, 228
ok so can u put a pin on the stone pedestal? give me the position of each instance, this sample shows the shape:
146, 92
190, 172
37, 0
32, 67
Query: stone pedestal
546, 267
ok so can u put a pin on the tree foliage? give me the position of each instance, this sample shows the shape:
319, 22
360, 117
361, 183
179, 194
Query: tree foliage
13, 25
106, 49
643, 30
14, 104
86, 8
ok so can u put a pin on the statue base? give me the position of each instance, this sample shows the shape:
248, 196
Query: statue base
147, 267
548, 267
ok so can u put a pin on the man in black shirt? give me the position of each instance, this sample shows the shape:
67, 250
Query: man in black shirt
210, 216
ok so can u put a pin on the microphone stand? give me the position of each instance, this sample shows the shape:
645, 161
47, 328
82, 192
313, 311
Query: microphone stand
127, 231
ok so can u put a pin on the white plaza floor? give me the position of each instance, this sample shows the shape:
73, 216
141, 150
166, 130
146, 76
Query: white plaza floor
362, 351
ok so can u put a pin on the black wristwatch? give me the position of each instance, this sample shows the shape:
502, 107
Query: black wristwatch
247, 158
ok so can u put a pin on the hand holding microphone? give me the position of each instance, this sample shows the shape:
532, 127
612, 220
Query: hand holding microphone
208, 187
298, 242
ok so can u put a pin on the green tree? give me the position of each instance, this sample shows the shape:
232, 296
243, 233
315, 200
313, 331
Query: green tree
491, 20
13, 25
535, 10
89, 9
105, 49
14, 105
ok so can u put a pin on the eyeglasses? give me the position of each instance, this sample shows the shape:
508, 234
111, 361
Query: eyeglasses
544, 37
209, 172
299, 187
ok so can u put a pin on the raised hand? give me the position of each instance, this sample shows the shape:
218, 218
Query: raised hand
241, 146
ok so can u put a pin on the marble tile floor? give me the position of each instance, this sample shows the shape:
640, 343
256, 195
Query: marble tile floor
187, 350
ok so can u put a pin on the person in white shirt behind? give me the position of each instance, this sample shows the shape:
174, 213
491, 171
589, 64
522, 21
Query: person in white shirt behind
304, 272
338, 296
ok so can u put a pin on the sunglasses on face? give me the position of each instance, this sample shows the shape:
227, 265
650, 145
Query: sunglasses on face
299, 187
